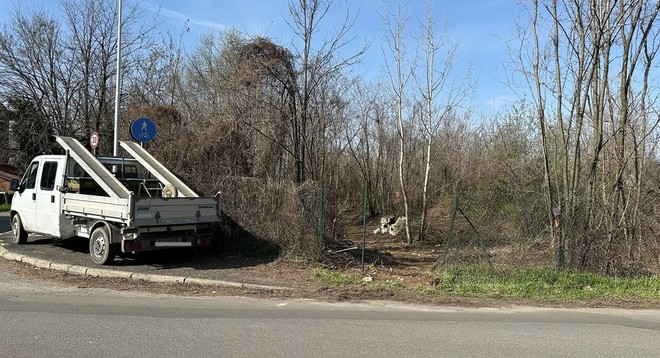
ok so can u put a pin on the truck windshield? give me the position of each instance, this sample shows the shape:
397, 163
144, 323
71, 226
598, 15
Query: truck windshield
30, 177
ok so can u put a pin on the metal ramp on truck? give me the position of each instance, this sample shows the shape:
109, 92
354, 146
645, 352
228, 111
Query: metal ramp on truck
157, 169
93, 167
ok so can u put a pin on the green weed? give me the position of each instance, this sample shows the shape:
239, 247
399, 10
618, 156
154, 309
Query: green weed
540, 284
334, 278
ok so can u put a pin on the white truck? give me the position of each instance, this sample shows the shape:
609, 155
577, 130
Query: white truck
119, 204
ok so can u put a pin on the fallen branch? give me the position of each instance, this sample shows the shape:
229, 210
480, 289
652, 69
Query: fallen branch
342, 250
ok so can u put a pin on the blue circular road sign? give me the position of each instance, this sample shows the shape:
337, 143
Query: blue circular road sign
143, 130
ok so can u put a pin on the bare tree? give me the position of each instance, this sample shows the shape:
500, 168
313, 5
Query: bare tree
64, 66
400, 72
158, 78
317, 68
372, 144
591, 144
5, 151
438, 82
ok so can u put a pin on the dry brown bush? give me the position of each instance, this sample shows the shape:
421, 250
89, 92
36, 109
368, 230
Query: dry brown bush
281, 213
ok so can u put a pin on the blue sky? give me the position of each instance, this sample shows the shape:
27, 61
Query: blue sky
482, 28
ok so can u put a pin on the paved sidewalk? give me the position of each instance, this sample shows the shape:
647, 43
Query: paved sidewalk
4, 221
206, 268
103, 272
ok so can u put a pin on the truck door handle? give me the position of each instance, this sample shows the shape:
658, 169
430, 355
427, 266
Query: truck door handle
52, 198
34, 196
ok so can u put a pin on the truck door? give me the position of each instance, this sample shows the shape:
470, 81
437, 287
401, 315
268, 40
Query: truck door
48, 199
24, 201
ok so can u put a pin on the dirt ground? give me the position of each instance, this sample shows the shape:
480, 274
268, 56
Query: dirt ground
387, 260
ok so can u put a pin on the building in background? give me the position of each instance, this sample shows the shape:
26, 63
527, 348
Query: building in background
7, 173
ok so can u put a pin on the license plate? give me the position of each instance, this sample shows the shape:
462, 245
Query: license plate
177, 243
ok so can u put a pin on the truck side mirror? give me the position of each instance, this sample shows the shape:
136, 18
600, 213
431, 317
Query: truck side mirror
14, 186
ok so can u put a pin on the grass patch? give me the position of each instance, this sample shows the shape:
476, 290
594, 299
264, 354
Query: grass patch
392, 285
540, 284
335, 278
537, 284
4, 207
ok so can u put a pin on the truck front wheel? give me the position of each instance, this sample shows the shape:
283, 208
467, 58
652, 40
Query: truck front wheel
20, 235
100, 249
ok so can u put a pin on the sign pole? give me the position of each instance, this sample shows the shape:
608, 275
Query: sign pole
115, 148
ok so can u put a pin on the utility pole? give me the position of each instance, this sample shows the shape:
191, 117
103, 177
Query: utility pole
115, 151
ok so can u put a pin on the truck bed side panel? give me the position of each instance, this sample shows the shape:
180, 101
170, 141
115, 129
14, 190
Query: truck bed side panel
97, 207
176, 211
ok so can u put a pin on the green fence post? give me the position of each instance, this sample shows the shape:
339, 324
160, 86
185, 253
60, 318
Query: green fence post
322, 216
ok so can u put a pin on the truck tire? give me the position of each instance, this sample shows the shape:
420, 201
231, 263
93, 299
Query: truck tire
100, 249
20, 235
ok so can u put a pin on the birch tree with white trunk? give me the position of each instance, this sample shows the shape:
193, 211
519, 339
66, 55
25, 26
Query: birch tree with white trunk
400, 71
440, 92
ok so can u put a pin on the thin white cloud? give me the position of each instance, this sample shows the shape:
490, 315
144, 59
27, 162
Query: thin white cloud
176, 15
497, 102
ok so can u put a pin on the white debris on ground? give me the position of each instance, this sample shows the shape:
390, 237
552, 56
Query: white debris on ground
390, 225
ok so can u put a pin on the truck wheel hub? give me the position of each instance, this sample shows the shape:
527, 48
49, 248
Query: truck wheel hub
99, 246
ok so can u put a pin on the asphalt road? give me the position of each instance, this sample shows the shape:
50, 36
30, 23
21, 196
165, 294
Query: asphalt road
4, 222
42, 319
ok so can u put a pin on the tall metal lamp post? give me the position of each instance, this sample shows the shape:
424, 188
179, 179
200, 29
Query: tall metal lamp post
115, 151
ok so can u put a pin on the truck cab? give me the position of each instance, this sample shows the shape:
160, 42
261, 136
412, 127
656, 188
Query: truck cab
38, 198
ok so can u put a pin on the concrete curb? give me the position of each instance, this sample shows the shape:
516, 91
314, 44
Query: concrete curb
135, 276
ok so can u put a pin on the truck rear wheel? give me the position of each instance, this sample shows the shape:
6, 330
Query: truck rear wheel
20, 235
100, 249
